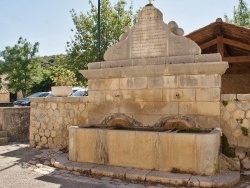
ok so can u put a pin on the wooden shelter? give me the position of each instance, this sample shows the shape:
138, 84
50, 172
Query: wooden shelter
233, 43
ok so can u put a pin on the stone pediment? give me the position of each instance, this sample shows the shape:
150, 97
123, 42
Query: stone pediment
151, 37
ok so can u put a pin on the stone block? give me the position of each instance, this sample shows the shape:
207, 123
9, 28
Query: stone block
126, 63
216, 57
248, 114
95, 65
133, 83
103, 108
243, 141
103, 84
160, 108
246, 163
178, 94
243, 105
142, 71
111, 73
201, 108
180, 59
163, 82
231, 106
246, 124
155, 61
243, 97
96, 96
148, 95
240, 152
205, 81
128, 107
239, 115
208, 122
110, 64
139, 62
208, 94
228, 97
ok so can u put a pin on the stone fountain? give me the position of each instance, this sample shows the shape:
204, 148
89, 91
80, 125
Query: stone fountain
154, 103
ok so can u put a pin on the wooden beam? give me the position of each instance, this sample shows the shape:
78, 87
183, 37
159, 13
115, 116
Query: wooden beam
237, 59
208, 44
220, 45
237, 71
237, 44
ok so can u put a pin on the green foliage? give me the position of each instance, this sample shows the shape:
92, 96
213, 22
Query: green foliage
20, 64
225, 103
62, 76
241, 15
82, 49
245, 131
47, 65
225, 148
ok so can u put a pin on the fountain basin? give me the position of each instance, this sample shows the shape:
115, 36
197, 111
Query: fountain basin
195, 153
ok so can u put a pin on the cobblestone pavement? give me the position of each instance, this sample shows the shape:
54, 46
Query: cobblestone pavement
24, 167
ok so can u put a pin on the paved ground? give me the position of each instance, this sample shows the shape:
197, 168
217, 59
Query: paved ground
16, 171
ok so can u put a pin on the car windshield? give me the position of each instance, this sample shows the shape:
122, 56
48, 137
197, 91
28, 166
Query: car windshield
79, 93
39, 94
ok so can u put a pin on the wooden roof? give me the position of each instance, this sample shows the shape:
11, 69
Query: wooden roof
231, 41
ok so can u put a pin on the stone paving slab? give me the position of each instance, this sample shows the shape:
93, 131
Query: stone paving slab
137, 174
168, 178
111, 171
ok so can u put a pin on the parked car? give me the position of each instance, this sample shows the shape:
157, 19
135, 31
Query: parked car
25, 101
80, 92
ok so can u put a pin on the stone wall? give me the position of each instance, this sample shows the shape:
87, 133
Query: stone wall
16, 121
51, 118
235, 124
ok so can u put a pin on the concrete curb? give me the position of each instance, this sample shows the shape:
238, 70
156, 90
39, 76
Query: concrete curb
224, 179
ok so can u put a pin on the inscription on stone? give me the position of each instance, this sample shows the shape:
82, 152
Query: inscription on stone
148, 42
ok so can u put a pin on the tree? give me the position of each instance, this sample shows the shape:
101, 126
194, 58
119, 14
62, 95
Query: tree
82, 48
20, 65
241, 15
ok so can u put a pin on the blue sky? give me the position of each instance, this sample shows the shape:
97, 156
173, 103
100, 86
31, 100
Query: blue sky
49, 21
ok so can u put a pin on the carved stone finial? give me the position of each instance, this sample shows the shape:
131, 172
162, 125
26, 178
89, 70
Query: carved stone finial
150, 1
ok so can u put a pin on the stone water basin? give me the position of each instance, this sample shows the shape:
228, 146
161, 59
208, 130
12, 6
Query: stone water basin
190, 152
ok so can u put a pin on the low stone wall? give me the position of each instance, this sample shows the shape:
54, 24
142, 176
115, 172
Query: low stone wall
16, 121
235, 124
51, 117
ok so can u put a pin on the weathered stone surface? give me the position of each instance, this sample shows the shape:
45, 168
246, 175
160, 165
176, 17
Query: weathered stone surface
208, 94
240, 152
163, 82
246, 163
113, 143
201, 108
137, 174
151, 37
16, 121
179, 95
216, 57
239, 115
133, 83
228, 97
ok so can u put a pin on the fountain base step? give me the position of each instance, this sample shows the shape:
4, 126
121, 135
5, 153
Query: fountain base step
223, 179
